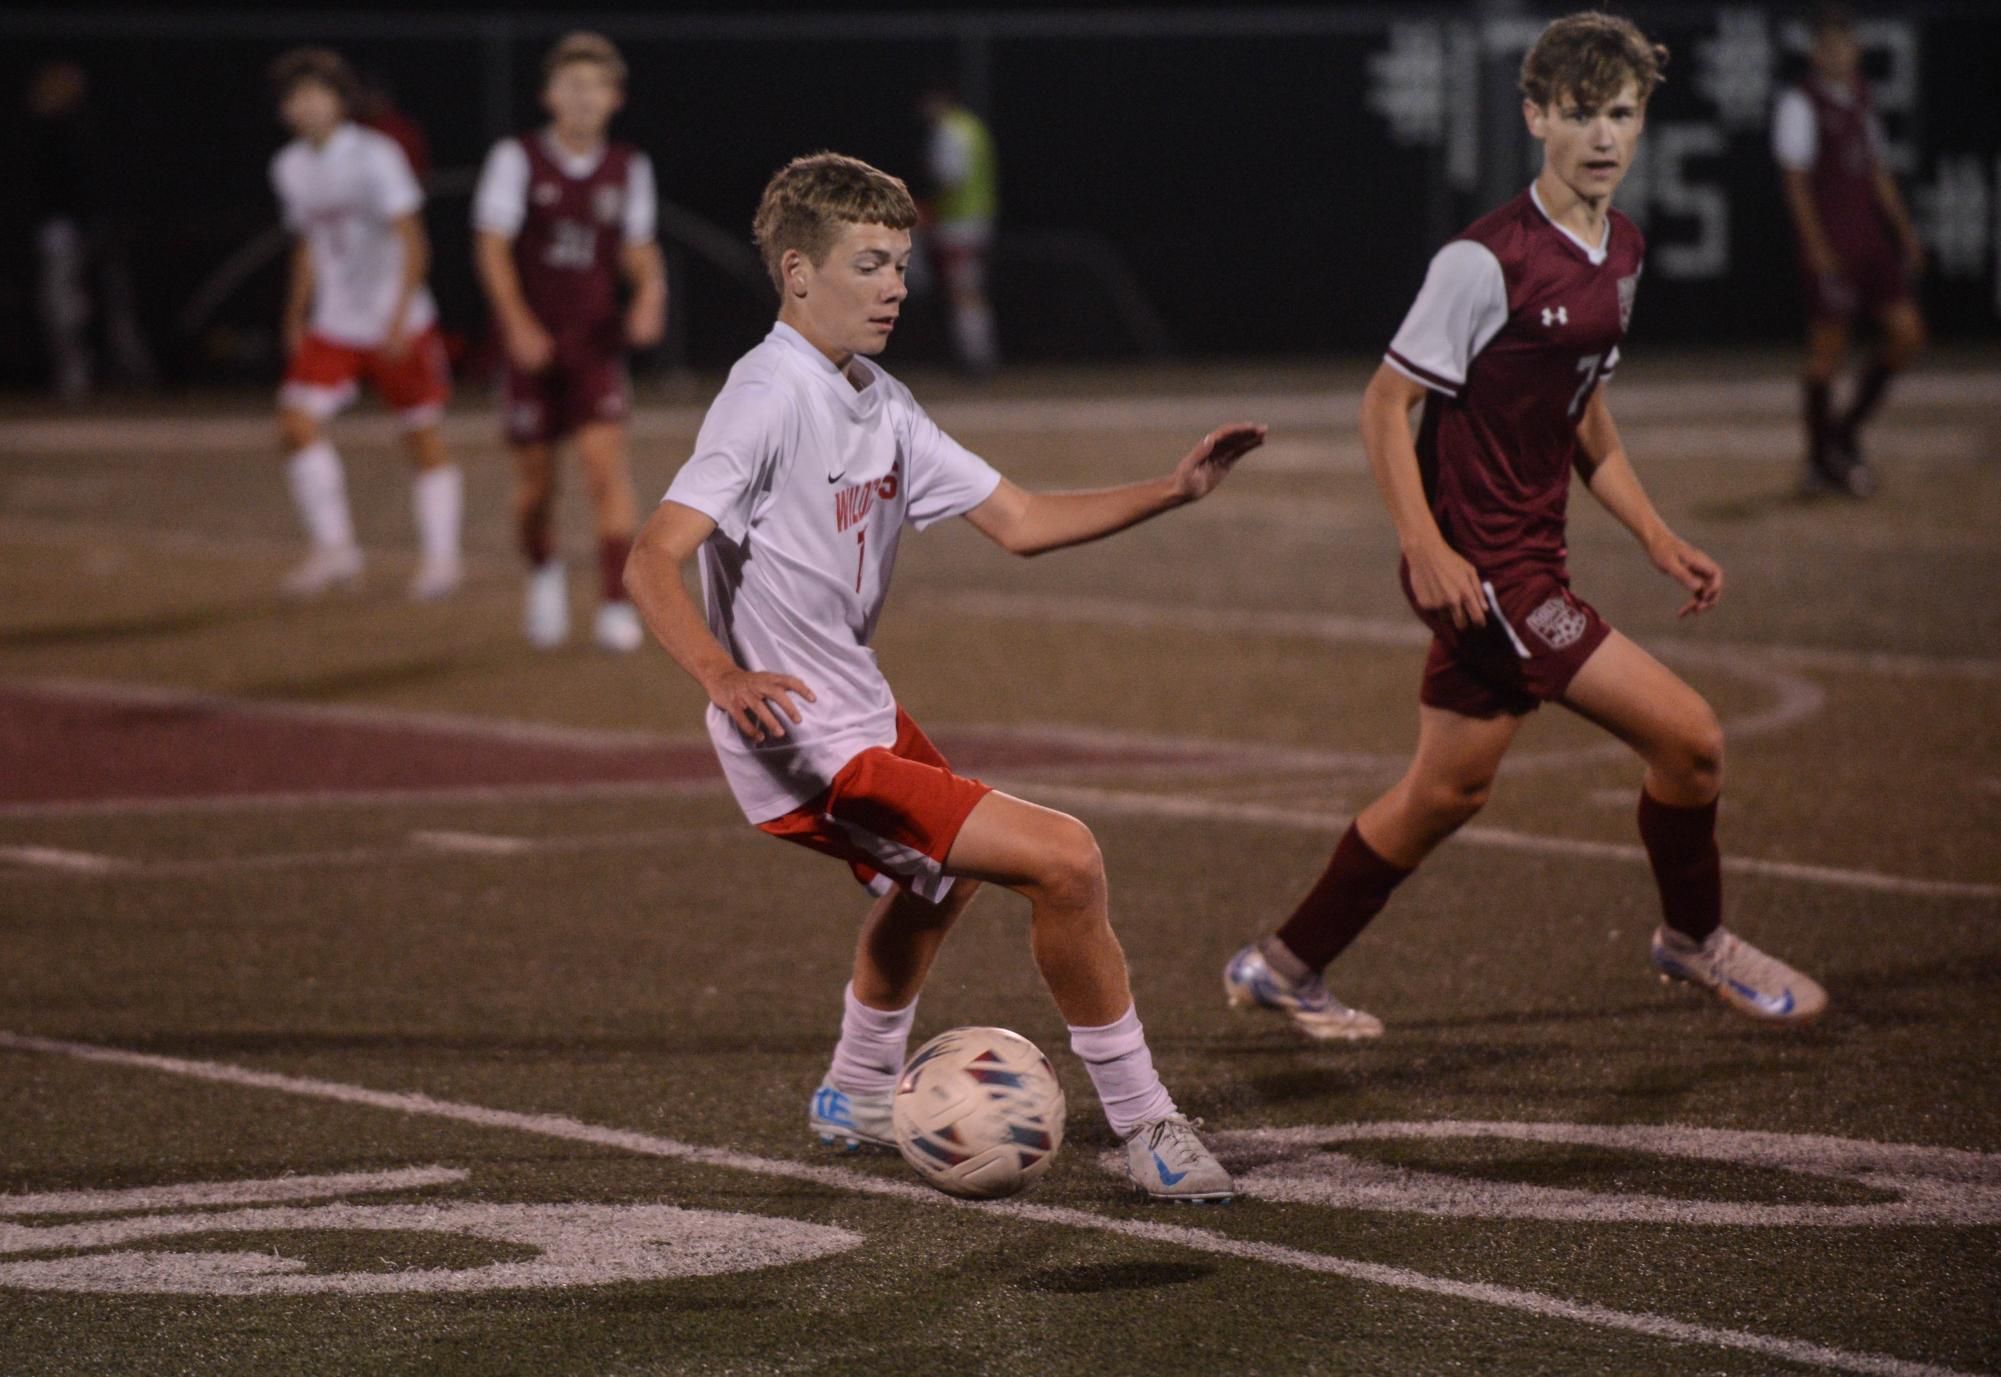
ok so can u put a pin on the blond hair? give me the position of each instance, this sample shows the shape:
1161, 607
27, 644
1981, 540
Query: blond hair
1588, 56
582, 45
807, 203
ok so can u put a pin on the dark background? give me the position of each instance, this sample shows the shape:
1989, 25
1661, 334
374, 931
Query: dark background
1229, 160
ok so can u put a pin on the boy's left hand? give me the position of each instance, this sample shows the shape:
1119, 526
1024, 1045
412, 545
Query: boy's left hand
1693, 570
645, 323
1203, 467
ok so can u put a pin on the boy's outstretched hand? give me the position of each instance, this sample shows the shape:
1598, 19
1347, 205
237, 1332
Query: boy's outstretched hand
1203, 467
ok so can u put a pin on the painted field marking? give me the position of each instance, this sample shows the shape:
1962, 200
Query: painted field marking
607, 790
270, 1190
1190, 809
57, 858
1398, 1278
473, 843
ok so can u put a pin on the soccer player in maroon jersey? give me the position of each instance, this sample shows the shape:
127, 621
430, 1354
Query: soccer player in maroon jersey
1859, 252
560, 216
1509, 342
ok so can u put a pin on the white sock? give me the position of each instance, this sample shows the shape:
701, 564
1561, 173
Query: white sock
319, 491
869, 1056
437, 496
1122, 1070
973, 329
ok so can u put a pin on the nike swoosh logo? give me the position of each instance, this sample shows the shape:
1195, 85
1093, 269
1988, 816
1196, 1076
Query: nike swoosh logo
1167, 1178
1771, 1004
837, 477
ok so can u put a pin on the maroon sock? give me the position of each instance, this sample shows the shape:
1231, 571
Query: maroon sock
612, 553
536, 541
1681, 844
1869, 389
1352, 890
1819, 419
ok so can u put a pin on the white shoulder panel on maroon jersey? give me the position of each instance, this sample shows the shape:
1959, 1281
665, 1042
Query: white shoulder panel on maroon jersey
1462, 305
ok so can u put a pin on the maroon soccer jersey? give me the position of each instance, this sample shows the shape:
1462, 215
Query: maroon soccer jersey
567, 249
1845, 167
1517, 323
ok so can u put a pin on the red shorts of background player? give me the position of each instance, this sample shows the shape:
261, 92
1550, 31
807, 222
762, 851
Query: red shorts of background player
1538, 635
1872, 279
892, 813
582, 386
323, 376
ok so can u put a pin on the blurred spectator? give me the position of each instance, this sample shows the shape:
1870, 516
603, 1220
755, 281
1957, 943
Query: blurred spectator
965, 199
78, 236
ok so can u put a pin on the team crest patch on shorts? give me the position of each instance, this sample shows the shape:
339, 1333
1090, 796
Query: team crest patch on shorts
1557, 623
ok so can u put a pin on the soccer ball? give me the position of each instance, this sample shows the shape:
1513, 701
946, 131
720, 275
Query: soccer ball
978, 1112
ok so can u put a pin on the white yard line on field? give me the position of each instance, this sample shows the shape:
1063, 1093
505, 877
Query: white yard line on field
1536, 1303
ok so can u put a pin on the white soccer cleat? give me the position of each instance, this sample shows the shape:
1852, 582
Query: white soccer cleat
1251, 983
328, 566
1168, 1161
618, 628
435, 579
545, 606
851, 1119
1739, 974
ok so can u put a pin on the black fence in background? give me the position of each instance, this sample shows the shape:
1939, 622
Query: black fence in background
1271, 182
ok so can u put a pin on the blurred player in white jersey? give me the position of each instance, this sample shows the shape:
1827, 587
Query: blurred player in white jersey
356, 309
808, 466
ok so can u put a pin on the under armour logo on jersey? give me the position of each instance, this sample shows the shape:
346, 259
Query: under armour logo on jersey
1555, 315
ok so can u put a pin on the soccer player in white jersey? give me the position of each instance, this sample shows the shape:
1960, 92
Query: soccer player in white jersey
808, 465
356, 308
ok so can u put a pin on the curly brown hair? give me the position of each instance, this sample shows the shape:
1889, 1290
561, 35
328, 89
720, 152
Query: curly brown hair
1588, 56
806, 203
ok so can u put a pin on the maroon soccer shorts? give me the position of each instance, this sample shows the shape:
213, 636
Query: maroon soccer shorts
1872, 279
1538, 635
581, 386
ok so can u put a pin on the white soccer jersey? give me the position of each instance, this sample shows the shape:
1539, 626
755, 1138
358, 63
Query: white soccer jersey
345, 198
809, 482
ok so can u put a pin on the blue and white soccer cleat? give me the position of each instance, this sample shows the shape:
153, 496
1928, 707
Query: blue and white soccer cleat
841, 1116
1739, 974
1165, 1159
1250, 982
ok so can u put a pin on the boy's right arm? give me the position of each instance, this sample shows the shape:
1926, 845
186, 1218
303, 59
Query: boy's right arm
528, 345
653, 578
298, 296
1440, 577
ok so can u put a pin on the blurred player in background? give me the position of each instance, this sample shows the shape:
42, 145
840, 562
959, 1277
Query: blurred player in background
1515, 330
70, 191
357, 309
1859, 252
808, 465
965, 179
562, 216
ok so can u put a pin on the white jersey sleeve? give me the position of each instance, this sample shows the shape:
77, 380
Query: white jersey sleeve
391, 183
500, 201
946, 478
1795, 132
1462, 305
642, 202
736, 460
288, 205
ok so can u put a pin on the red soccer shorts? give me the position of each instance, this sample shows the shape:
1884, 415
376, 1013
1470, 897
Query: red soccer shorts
1872, 279
323, 377
582, 386
892, 813
1538, 635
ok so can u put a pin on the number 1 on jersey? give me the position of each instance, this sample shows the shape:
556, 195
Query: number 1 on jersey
861, 555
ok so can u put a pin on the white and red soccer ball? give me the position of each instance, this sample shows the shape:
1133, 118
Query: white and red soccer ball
978, 1112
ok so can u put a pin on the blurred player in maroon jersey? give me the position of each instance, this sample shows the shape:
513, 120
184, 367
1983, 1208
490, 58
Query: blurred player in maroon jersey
1859, 252
1508, 346
560, 217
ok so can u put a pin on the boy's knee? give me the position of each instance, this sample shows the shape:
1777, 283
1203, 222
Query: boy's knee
1448, 803
1073, 868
